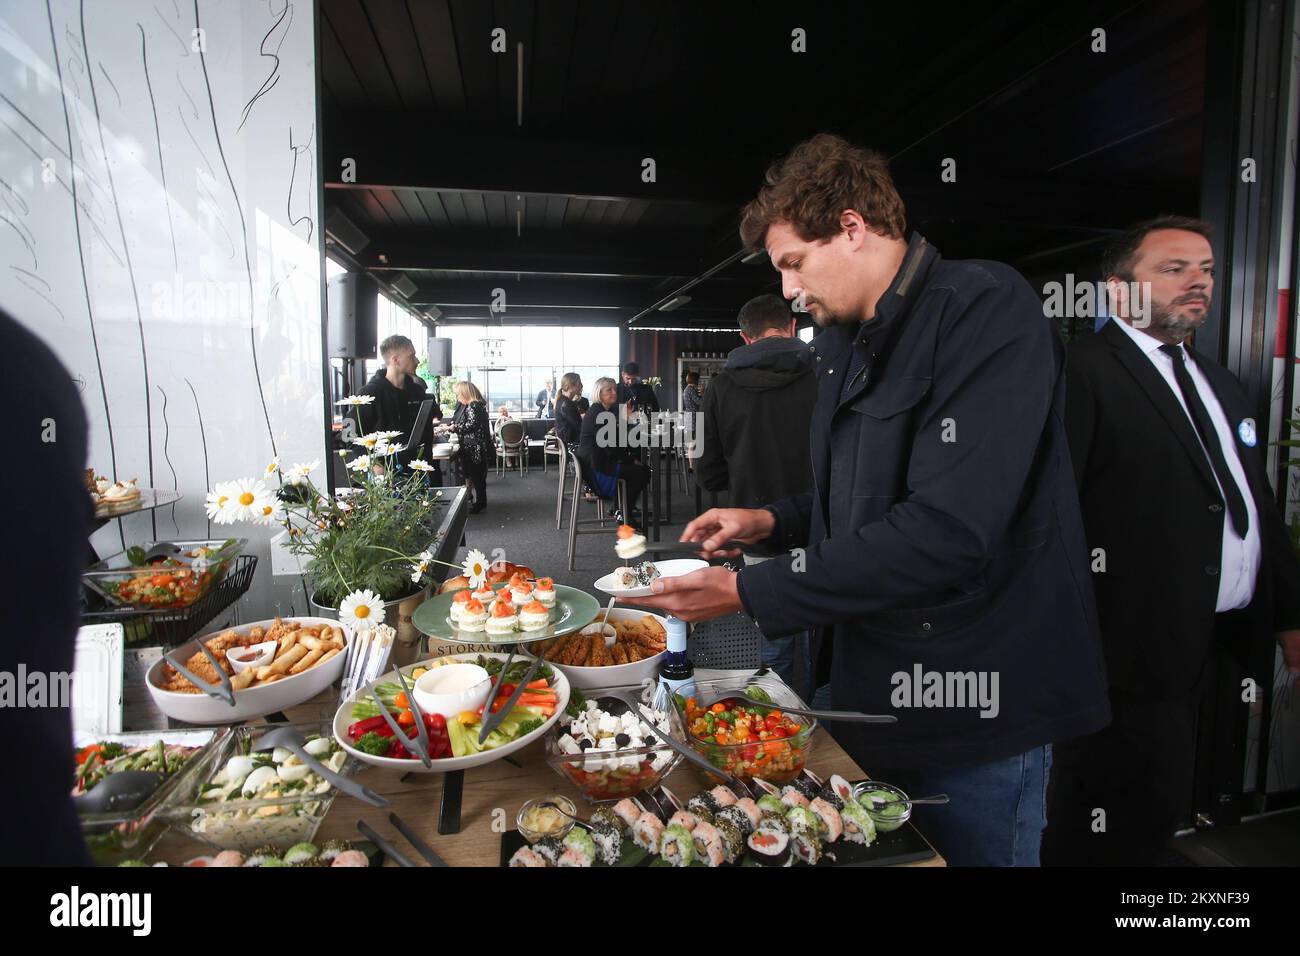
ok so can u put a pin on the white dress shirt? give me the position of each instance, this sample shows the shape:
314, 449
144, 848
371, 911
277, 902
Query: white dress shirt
1239, 557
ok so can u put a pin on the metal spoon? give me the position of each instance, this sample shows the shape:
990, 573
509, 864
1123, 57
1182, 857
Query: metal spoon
938, 798
834, 716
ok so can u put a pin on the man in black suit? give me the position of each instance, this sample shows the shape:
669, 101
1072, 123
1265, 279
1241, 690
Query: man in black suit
545, 400
1191, 562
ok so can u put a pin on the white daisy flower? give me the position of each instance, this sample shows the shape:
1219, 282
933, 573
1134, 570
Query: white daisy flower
386, 436
419, 465
272, 468
420, 568
353, 401
362, 609
249, 498
368, 442
300, 472
218, 504
344, 507
475, 567
359, 464
270, 511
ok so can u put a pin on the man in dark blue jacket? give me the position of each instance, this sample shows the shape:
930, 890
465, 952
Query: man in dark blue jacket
940, 554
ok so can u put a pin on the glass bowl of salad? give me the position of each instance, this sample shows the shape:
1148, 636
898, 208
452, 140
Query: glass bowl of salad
738, 725
163, 575
609, 755
182, 757
253, 799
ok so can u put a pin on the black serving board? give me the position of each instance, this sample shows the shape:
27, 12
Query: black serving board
903, 845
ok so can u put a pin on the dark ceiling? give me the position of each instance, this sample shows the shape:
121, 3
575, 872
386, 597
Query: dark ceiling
474, 175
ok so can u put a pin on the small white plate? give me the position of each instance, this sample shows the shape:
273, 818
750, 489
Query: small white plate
667, 569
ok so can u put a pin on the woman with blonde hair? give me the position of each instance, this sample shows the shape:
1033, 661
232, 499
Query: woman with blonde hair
471, 423
607, 462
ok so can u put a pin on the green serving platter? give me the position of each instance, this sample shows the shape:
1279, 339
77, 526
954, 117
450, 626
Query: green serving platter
573, 611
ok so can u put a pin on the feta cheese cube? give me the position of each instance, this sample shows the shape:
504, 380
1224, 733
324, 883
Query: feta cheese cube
609, 724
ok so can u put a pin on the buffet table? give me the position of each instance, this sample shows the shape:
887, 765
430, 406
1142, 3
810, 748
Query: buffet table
491, 798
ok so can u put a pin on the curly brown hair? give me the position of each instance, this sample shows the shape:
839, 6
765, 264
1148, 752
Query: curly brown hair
815, 183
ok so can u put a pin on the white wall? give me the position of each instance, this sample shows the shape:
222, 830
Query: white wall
159, 228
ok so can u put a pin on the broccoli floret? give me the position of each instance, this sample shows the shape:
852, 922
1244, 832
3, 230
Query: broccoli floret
375, 745
528, 726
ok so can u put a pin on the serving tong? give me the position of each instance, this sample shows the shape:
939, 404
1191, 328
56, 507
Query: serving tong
391, 851
491, 720
840, 716
222, 691
683, 549
418, 744
292, 741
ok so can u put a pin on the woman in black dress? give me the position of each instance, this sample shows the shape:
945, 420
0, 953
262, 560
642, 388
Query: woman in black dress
471, 424
569, 409
610, 462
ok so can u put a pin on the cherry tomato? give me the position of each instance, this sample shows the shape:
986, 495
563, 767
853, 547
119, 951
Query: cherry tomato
406, 719
401, 702
718, 708
720, 738
777, 733
772, 720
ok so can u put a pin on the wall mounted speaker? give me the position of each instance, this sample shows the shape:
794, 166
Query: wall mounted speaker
439, 356
352, 308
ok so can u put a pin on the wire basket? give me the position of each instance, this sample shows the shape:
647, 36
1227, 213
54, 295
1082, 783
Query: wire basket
172, 626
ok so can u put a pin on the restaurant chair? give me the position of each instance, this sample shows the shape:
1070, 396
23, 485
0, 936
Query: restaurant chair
582, 475
512, 447
552, 447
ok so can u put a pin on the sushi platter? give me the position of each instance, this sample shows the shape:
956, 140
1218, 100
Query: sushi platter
835, 824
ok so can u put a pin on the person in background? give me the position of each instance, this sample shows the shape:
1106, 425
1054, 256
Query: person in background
692, 402
942, 541
45, 547
569, 411
635, 393
606, 460
398, 393
754, 443
1192, 566
471, 423
546, 400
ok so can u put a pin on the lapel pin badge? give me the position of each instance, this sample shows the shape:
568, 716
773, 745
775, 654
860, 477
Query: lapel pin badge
1246, 432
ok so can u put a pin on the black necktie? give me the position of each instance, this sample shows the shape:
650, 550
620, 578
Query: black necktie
1210, 439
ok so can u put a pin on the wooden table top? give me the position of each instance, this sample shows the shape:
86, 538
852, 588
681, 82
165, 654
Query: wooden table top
490, 801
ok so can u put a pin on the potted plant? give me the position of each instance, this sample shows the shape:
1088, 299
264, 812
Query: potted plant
368, 549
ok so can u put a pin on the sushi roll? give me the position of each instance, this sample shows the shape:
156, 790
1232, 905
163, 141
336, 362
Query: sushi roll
608, 816
351, 858
473, 616
858, 826
749, 808
676, 846
831, 824
801, 818
300, 853
774, 821
733, 843
769, 848
736, 817
534, 616
684, 819
708, 845
527, 856
229, 858
723, 796
502, 619
793, 798
702, 801
806, 847
646, 832
771, 803
458, 602
549, 849
329, 850
840, 787
544, 591
609, 843
803, 785
579, 848
831, 797
627, 811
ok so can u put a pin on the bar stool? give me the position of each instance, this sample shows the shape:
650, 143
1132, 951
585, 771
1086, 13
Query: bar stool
581, 475
568, 467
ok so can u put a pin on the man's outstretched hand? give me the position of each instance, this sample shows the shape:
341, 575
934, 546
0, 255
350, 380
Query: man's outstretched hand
718, 525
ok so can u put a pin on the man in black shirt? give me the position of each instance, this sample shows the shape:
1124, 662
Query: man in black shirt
632, 389
398, 393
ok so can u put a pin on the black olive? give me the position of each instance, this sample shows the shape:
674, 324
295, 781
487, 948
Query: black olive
621, 740
585, 744
649, 741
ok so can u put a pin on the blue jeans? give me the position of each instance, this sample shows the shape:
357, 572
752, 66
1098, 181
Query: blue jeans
779, 655
998, 810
